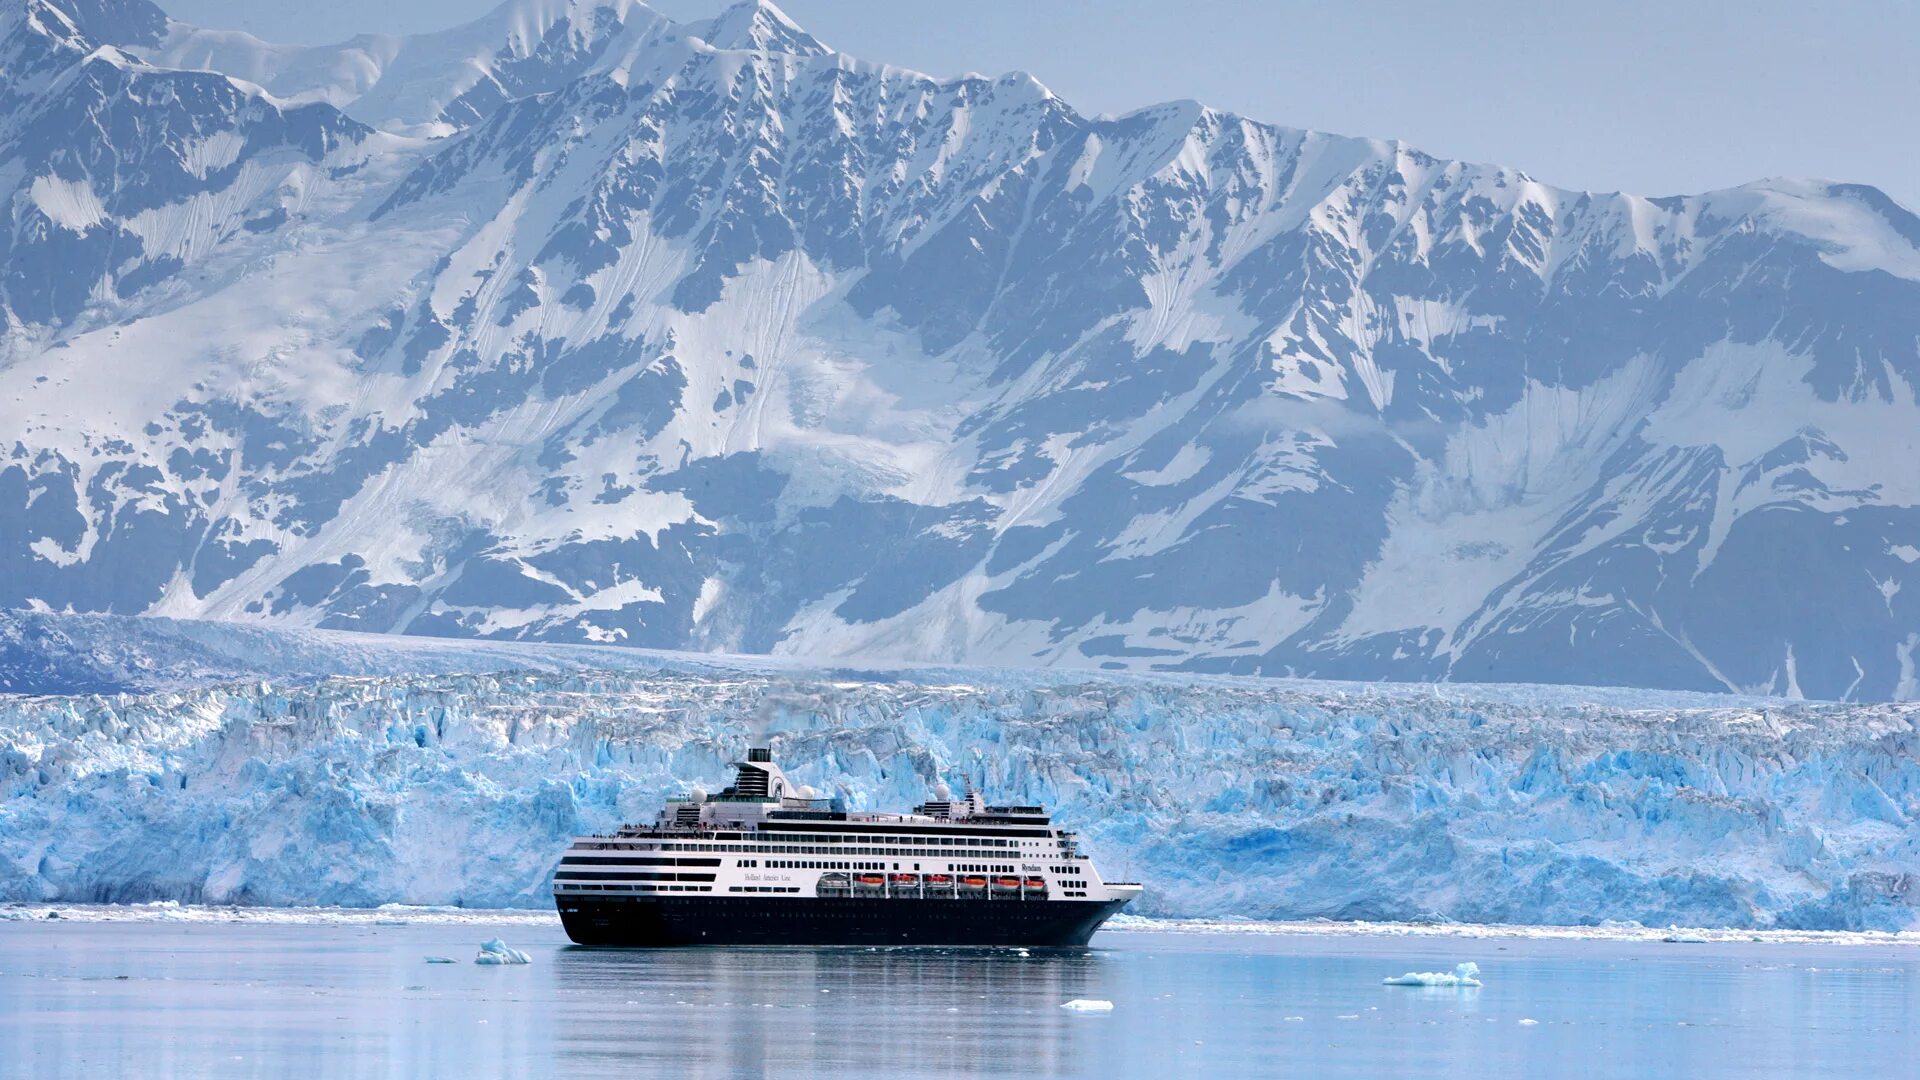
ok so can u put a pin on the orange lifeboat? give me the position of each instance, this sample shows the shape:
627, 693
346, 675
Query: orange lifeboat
906, 879
1036, 883
871, 881
971, 882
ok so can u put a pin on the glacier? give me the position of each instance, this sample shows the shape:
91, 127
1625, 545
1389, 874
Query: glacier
1226, 796
577, 323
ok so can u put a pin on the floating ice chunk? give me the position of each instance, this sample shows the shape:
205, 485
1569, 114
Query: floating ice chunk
1528, 1022
497, 952
1684, 937
1467, 974
1087, 1005
441, 960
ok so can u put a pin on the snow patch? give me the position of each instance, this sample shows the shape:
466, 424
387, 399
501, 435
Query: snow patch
70, 204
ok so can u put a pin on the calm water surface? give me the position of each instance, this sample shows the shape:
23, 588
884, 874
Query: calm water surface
210, 999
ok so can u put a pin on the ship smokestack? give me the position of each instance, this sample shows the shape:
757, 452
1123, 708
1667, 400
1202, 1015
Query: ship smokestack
760, 754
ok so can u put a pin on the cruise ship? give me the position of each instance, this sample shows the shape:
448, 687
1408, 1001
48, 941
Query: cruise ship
765, 862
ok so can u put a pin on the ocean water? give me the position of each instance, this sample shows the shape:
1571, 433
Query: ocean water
247, 999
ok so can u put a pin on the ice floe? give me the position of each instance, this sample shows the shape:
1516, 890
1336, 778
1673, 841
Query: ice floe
496, 951
1467, 974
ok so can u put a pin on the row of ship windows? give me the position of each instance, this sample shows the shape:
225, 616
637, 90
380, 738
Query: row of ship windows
843, 845
642, 888
616, 875
923, 846
897, 853
808, 864
763, 888
634, 860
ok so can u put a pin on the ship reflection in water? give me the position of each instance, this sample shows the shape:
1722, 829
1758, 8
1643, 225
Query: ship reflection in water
877, 1012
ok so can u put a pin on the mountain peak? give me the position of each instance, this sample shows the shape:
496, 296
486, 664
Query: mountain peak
758, 26
113, 22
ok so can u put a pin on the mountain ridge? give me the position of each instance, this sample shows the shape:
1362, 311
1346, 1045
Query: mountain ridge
779, 351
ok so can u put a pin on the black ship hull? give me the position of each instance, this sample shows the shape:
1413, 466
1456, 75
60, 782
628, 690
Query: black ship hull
656, 921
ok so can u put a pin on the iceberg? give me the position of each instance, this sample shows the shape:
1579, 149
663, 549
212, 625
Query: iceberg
1087, 1005
1227, 797
1467, 974
496, 951
441, 960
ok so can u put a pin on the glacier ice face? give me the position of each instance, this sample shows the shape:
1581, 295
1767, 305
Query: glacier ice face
1259, 798
579, 324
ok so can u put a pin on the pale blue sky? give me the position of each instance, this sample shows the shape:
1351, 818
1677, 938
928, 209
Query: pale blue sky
1637, 95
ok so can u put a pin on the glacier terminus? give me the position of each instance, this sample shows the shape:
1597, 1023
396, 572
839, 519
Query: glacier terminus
219, 764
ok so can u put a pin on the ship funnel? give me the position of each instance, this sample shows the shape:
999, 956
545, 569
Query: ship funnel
760, 753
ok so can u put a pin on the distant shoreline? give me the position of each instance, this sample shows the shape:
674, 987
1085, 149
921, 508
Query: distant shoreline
407, 915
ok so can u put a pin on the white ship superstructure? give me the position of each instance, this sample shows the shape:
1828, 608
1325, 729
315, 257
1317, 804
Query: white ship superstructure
766, 860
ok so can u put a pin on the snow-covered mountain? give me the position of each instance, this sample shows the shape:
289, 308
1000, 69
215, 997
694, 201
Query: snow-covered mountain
579, 324
1226, 796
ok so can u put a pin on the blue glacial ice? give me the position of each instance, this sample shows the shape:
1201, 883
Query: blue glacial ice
1257, 798
496, 951
1462, 975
